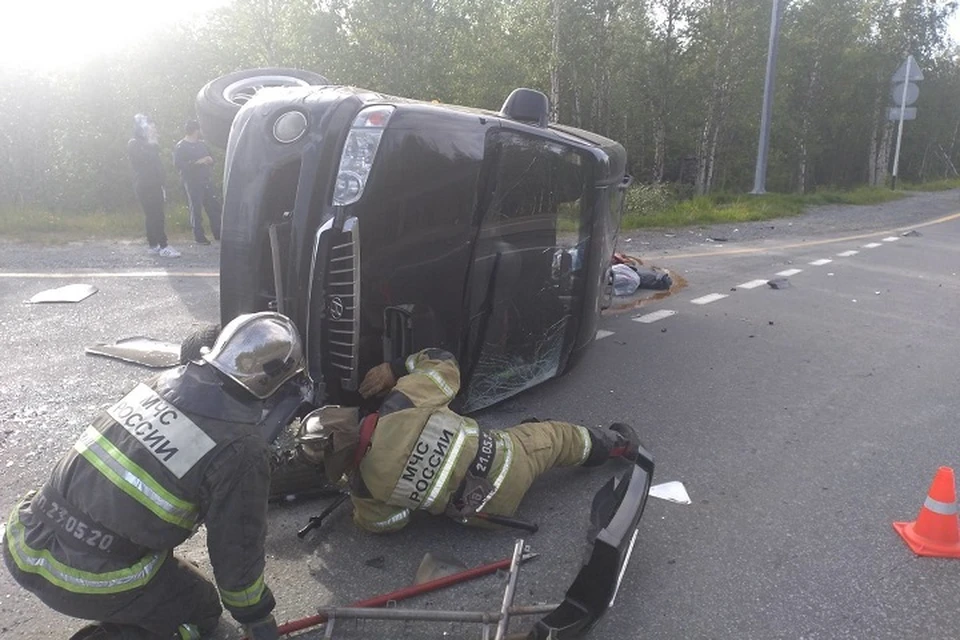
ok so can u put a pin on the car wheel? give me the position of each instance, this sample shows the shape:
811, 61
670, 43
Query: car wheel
220, 100
194, 345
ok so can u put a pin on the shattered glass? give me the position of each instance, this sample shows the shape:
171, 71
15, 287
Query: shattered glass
499, 375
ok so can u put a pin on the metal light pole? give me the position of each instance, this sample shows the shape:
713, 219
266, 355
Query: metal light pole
760, 175
903, 111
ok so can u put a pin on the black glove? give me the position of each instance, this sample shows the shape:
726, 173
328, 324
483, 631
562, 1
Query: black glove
262, 629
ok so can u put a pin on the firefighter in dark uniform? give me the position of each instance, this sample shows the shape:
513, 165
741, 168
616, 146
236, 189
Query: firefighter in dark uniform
96, 541
418, 454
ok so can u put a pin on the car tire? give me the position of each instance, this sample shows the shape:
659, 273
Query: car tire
194, 345
220, 100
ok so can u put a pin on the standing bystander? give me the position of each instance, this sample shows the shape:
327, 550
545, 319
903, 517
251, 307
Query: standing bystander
192, 158
144, 152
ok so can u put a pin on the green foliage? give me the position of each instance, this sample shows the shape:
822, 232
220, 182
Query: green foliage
646, 199
46, 225
730, 207
678, 82
935, 185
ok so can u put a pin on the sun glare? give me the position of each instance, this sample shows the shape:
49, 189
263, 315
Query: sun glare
38, 34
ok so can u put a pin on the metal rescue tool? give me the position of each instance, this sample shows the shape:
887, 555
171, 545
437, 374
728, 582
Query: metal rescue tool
316, 521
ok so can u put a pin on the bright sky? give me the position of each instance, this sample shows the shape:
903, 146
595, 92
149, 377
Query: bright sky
43, 34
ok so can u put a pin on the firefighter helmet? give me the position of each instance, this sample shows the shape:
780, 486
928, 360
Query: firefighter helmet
329, 436
258, 351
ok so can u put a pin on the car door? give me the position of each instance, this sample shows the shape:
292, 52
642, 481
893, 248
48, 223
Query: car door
525, 285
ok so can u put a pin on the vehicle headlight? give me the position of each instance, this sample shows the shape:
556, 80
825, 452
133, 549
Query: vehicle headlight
359, 150
289, 127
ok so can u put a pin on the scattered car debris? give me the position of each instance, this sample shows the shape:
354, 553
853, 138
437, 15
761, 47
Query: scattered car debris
141, 350
69, 293
434, 566
672, 491
779, 283
378, 562
718, 239
913, 233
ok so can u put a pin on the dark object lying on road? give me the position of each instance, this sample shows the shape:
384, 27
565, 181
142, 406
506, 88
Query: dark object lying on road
628, 277
615, 516
778, 283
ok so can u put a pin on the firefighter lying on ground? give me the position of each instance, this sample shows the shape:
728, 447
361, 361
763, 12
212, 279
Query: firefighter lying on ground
418, 454
96, 541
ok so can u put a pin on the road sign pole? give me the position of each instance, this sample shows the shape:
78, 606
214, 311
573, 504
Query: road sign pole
760, 174
903, 109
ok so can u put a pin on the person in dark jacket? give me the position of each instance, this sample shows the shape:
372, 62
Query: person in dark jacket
144, 152
192, 158
183, 449
417, 454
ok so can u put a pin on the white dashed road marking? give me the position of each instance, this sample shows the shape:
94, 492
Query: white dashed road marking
847, 254
656, 315
753, 284
872, 245
789, 272
821, 262
891, 239
713, 297
603, 333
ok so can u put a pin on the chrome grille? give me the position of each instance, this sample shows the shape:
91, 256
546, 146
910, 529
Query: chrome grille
342, 303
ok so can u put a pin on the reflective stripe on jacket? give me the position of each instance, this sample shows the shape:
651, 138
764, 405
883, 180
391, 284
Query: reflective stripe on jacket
170, 454
420, 450
43, 563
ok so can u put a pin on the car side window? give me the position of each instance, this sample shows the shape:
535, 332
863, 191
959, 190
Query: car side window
537, 177
527, 279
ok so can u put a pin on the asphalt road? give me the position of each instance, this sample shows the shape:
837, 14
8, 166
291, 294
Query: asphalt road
803, 421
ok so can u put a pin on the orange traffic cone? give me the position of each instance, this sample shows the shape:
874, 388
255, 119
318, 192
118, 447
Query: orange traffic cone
936, 532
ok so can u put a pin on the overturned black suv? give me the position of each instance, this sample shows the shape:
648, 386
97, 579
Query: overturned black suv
383, 225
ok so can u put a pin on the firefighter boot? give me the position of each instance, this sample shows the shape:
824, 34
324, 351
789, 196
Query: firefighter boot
620, 440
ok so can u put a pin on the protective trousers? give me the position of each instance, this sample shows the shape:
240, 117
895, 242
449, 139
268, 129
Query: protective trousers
177, 595
534, 448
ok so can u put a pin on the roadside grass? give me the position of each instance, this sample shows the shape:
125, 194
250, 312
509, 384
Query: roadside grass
54, 228
720, 208
934, 185
645, 206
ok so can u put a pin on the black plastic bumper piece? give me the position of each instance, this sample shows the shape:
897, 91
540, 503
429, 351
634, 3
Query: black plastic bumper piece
615, 515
